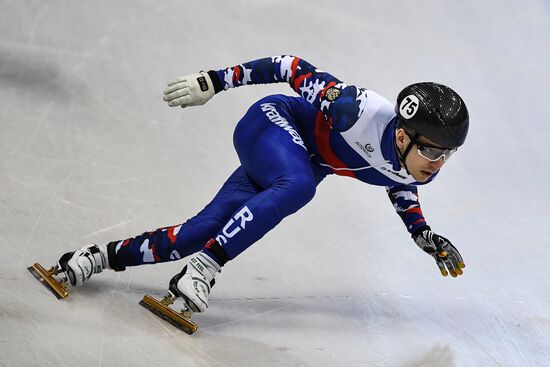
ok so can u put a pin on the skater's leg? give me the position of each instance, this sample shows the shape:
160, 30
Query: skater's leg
163, 244
274, 157
292, 186
175, 242
286, 194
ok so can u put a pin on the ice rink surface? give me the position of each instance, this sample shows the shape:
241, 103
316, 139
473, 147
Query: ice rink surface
90, 153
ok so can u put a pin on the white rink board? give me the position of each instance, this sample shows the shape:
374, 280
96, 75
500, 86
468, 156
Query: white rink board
90, 153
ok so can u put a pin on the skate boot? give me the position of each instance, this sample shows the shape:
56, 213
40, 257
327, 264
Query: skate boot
73, 267
82, 263
194, 282
192, 285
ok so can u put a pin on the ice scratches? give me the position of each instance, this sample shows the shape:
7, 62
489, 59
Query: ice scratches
458, 326
146, 355
20, 182
235, 351
65, 201
205, 356
118, 198
101, 348
183, 344
36, 326
39, 15
168, 328
256, 314
108, 228
502, 331
20, 299
34, 226
46, 205
157, 293
37, 126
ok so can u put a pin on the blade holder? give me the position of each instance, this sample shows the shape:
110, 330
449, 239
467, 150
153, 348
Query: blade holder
163, 310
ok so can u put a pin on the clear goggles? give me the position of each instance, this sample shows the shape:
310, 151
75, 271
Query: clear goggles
433, 154
430, 152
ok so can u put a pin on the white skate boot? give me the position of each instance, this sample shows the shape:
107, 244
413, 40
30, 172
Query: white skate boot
82, 263
192, 286
194, 282
74, 267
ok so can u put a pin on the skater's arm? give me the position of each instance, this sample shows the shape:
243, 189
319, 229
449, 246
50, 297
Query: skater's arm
342, 104
405, 200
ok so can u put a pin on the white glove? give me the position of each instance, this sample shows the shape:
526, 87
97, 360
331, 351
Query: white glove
189, 90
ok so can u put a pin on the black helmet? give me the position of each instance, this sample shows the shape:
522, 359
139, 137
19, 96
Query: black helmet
434, 111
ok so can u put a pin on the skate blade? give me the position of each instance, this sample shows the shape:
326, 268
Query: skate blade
167, 314
46, 278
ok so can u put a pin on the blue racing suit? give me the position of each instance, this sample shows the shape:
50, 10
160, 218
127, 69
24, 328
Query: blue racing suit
286, 146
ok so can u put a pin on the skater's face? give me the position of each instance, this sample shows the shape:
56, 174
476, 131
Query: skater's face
419, 167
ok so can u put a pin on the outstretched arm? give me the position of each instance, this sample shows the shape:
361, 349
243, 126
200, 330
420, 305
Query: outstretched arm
405, 201
342, 104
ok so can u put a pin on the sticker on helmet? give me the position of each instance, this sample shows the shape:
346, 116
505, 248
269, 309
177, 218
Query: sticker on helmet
409, 106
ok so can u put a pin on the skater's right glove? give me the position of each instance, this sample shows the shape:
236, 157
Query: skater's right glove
441, 249
190, 90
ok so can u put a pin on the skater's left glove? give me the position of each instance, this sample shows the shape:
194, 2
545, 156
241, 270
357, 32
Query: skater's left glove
190, 90
441, 249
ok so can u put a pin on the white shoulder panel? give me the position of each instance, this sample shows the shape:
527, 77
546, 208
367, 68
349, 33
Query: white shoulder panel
366, 134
